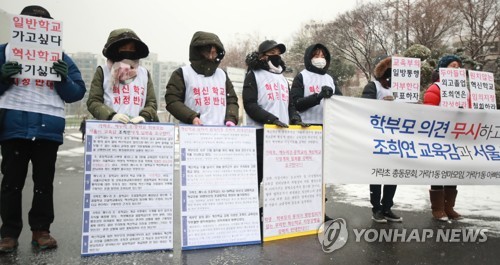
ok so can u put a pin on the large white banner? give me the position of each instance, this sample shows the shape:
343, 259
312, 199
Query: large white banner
381, 142
219, 195
293, 183
128, 187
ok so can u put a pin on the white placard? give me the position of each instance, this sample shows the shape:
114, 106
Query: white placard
293, 182
219, 195
381, 142
128, 187
453, 86
405, 79
482, 90
36, 43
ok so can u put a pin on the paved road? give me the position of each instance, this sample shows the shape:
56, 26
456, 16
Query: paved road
303, 250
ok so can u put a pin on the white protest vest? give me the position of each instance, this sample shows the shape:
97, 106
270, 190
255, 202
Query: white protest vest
206, 95
312, 84
126, 98
273, 96
32, 95
381, 91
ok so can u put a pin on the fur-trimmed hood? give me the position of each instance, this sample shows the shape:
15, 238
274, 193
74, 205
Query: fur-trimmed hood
381, 69
253, 62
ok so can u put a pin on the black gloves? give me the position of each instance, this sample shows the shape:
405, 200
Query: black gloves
8, 70
301, 124
326, 92
61, 68
280, 124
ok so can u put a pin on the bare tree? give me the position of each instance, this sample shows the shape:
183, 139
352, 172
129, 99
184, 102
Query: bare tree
430, 25
237, 51
480, 26
361, 35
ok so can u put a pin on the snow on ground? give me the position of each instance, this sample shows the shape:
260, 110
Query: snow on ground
479, 205
78, 151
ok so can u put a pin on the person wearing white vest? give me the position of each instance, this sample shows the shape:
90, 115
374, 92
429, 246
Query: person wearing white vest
266, 94
266, 97
201, 93
32, 125
122, 90
380, 89
313, 84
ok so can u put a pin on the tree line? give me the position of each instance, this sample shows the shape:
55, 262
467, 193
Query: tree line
425, 29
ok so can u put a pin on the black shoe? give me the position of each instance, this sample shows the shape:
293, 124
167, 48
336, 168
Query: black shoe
390, 216
378, 217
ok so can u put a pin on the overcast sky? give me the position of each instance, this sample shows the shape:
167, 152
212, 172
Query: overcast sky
167, 26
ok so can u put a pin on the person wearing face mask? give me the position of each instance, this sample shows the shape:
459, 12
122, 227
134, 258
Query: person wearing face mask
122, 90
201, 93
313, 84
442, 197
380, 89
266, 94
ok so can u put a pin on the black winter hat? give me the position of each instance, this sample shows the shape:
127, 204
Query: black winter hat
270, 44
36, 11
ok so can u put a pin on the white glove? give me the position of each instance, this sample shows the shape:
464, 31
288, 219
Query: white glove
138, 119
121, 118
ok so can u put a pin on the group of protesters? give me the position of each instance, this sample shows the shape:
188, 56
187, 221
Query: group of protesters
122, 90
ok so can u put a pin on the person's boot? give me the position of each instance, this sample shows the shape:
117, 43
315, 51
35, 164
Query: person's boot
8, 244
378, 217
449, 202
43, 240
437, 205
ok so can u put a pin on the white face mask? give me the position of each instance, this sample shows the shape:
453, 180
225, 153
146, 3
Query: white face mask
318, 62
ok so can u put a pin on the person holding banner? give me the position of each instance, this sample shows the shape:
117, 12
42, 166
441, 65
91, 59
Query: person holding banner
32, 130
202, 93
380, 89
442, 197
122, 90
